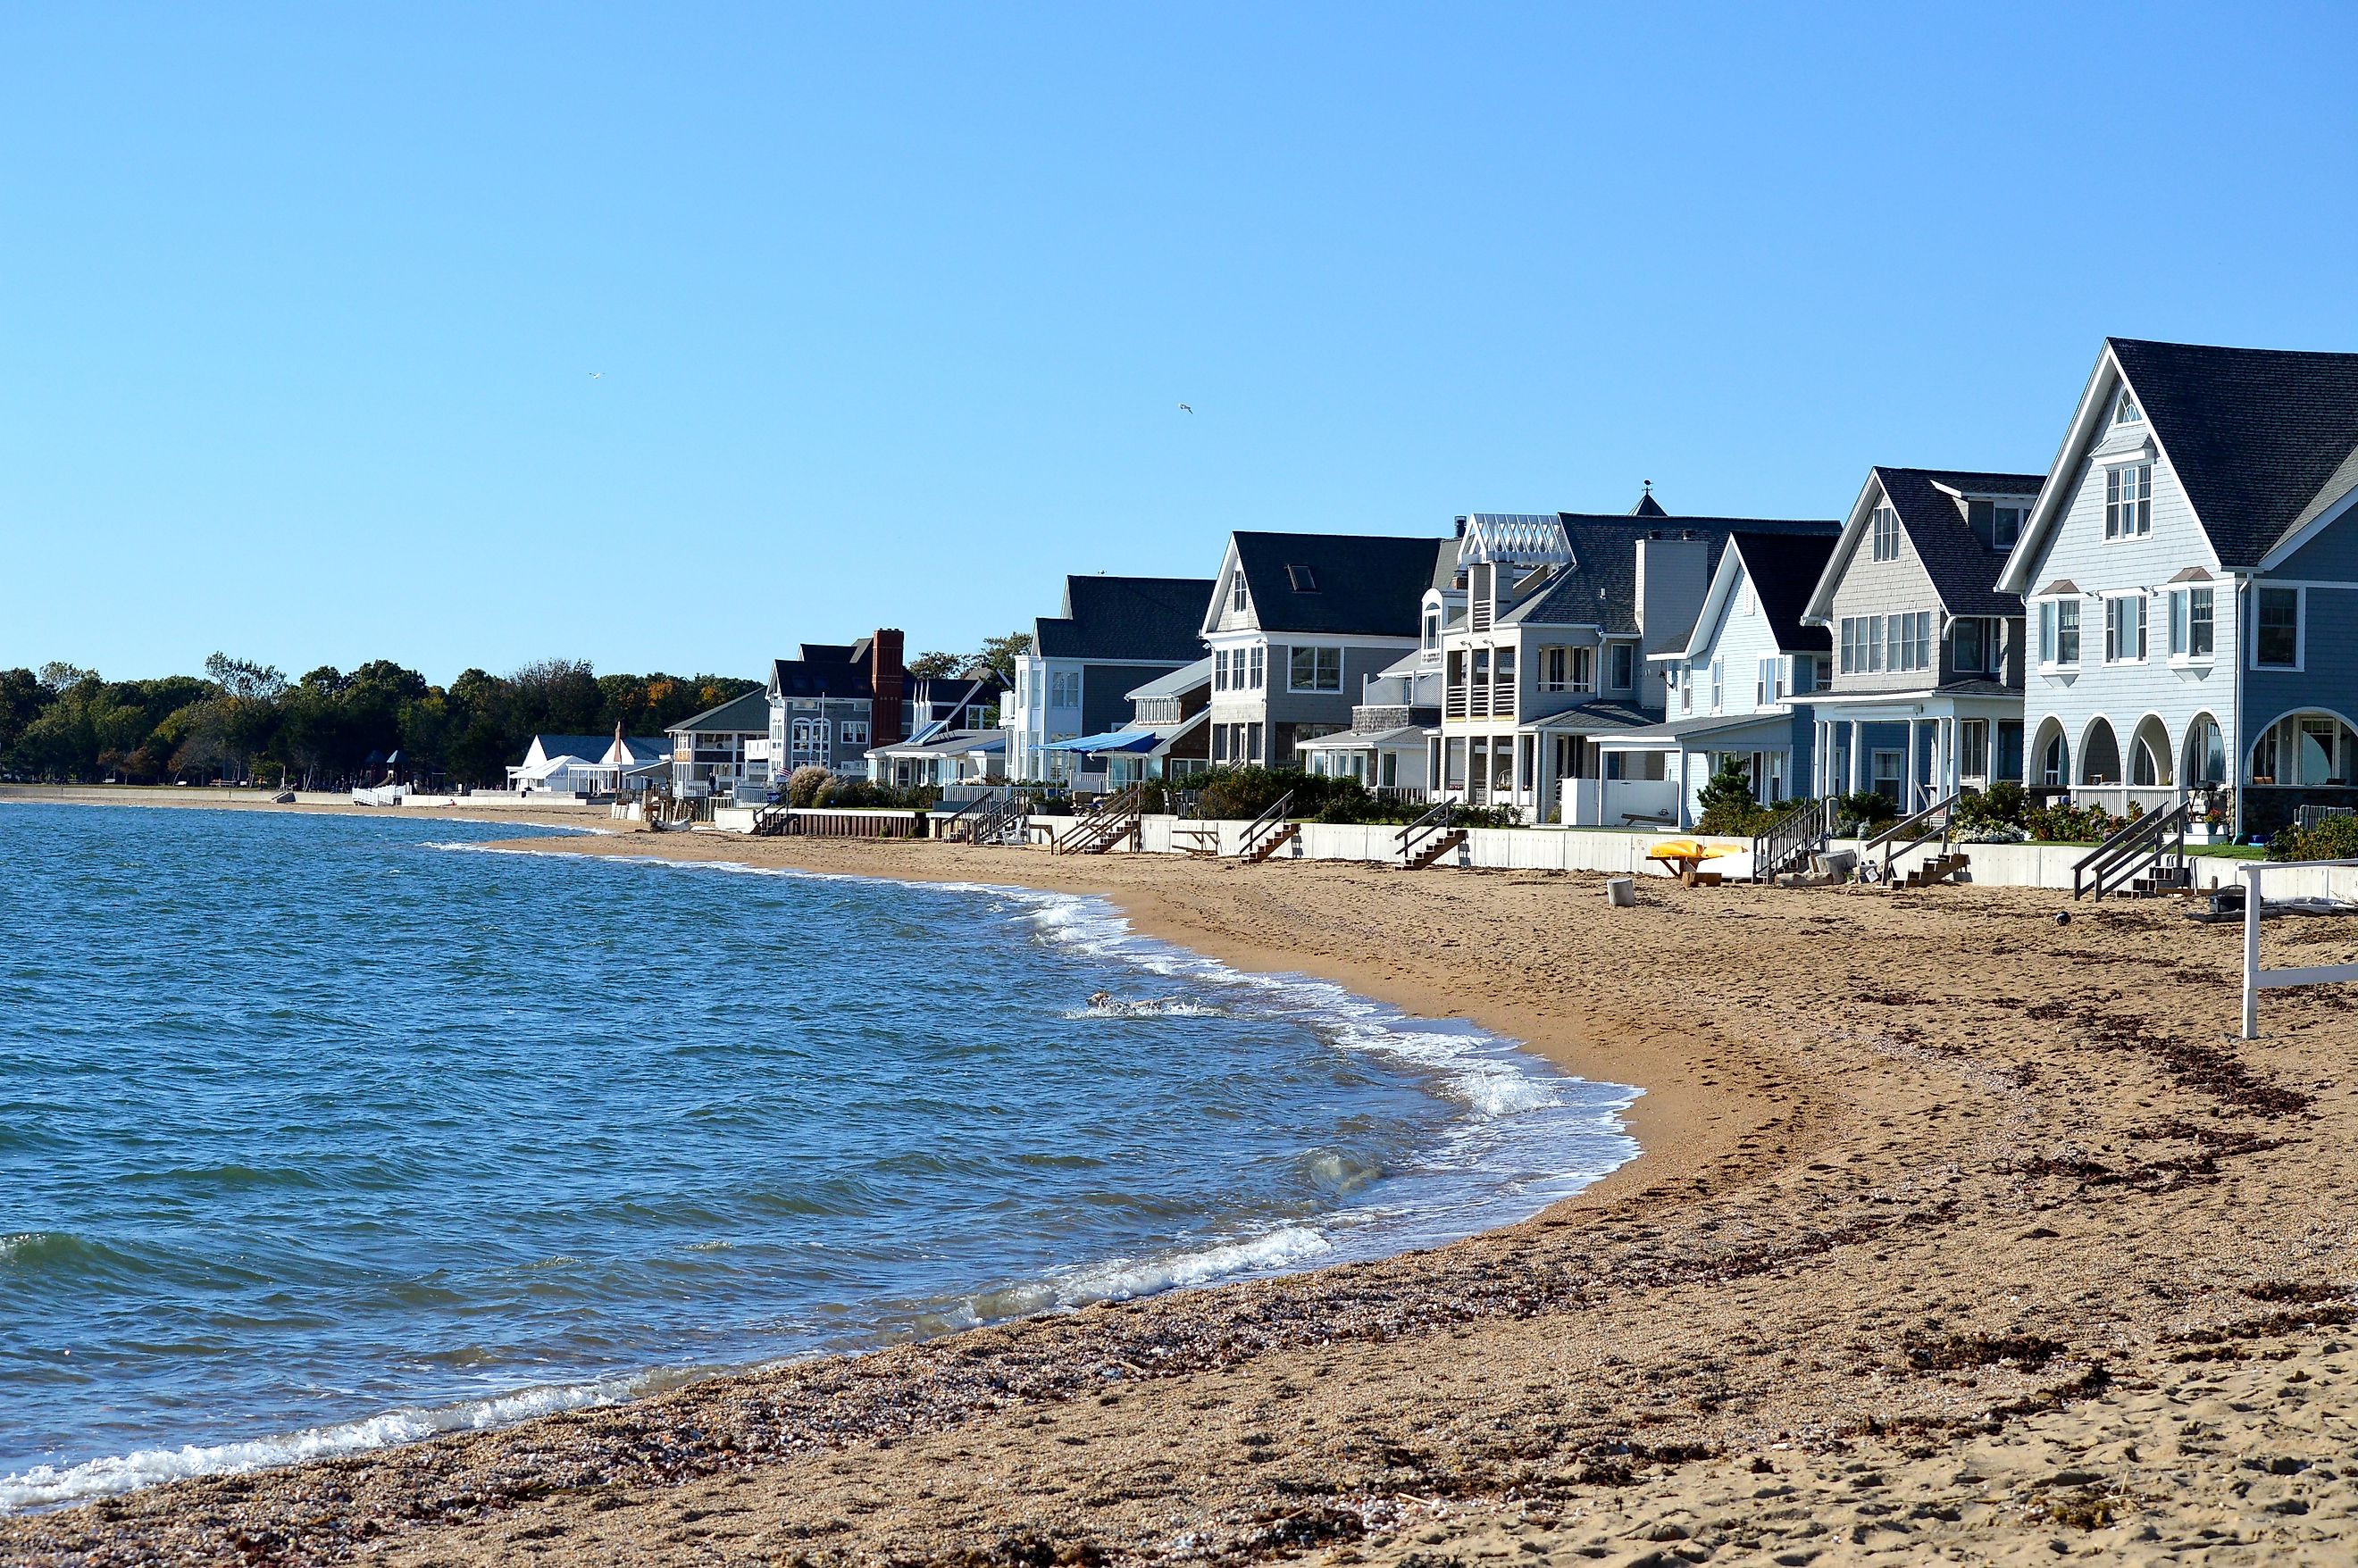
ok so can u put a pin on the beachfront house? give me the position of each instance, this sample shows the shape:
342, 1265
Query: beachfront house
1297, 625
941, 754
1386, 748
1110, 635
589, 764
1928, 645
1736, 689
2191, 573
1546, 631
833, 702
1168, 735
724, 746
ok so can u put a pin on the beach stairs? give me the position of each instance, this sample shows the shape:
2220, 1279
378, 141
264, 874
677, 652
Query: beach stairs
1269, 843
1116, 820
1440, 844
2145, 859
1793, 842
1940, 868
773, 821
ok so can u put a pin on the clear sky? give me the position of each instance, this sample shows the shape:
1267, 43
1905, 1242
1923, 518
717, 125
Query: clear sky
669, 337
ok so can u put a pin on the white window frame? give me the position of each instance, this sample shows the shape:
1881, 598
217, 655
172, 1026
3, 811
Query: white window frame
2049, 612
2128, 516
2125, 408
2181, 626
2299, 627
1882, 534
1258, 656
1718, 683
854, 733
2114, 653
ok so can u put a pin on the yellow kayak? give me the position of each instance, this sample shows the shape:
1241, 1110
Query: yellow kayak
1687, 850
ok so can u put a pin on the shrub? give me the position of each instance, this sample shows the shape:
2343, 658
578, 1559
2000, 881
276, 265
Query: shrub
2060, 822
2003, 805
2335, 838
805, 783
1727, 804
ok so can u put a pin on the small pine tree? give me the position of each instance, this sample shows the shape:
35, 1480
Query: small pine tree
1726, 801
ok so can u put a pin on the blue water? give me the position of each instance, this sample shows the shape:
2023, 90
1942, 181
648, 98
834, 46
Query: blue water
320, 1134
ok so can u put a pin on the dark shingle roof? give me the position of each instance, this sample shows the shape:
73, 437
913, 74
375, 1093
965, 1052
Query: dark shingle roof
1647, 506
1784, 569
2253, 434
1600, 588
807, 677
1963, 570
747, 713
1149, 619
1365, 584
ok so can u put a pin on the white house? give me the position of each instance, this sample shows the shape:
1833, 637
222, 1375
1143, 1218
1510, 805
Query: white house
2192, 575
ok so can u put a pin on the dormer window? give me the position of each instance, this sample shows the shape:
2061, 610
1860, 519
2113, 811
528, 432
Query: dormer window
2125, 411
1886, 530
2006, 526
1301, 579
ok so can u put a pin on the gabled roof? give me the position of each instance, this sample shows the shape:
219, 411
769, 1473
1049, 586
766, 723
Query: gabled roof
745, 714
2255, 435
1149, 620
1341, 584
1964, 572
643, 749
1783, 570
1178, 683
1647, 505
1600, 587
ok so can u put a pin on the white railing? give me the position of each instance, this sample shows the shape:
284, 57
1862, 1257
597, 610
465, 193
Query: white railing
2257, 980
388, 795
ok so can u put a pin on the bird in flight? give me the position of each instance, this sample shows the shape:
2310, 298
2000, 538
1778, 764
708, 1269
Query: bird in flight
1184, 409
597, 375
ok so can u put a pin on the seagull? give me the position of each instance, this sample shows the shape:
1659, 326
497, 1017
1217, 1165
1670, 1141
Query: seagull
597, 375
1184, 409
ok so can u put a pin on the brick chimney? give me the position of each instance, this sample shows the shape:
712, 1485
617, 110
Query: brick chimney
886, 676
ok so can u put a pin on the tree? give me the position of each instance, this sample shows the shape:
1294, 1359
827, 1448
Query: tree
998, 655
935, 665
1726, 801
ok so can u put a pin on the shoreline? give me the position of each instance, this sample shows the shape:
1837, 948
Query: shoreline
1946, 1222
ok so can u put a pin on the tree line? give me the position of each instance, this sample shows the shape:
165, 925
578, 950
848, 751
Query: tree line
242, 720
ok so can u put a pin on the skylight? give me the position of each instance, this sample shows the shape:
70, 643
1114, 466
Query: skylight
1301, 579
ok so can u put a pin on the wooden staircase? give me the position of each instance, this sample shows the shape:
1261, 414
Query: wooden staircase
1196, 838
1271, 843
2145, 859
1442, 844
1941, 868
1115, 821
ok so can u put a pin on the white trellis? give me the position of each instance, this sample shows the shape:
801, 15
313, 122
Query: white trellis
2257, 980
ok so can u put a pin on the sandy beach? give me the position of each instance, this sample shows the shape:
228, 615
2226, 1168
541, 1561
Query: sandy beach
1958, 1235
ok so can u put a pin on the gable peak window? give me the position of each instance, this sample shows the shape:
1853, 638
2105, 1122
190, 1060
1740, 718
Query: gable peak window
1237, 591
2128, 500
1885, 533
2125, 410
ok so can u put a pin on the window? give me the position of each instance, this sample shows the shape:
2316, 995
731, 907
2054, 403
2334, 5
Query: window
1718, 683
1885, 533
1502, 676
2191, 623
855, 732
1970, 638
2058, 632
1686, 690
1973, 748
1767, 687
1301, 579
2276, 641
1821, 674
1873, 645
2055, 762
2006, 526
1315, 669
1852, 649
1433, 628
1907, 643
2125, 411
1236, 591
1258, 655
2124, 629
1064, 688
1625, 665
1567, 669
2128, 500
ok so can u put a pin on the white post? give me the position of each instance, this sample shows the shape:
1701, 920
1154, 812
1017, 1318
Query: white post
2251, 952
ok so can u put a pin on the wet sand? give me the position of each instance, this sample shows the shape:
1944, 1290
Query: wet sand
1958, 1235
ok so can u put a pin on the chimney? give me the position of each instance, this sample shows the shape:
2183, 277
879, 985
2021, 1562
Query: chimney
1461, 527
1672, 576
885, 679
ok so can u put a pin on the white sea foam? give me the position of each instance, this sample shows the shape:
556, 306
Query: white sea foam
47, 1484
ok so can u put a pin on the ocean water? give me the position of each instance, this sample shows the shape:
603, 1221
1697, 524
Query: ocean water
321, 1134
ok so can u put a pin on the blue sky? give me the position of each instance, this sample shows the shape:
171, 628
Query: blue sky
889, 310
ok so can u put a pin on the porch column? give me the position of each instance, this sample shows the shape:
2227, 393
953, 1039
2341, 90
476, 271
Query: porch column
1858, 755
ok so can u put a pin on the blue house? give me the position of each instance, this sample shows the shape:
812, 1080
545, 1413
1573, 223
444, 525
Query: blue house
2191, 573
